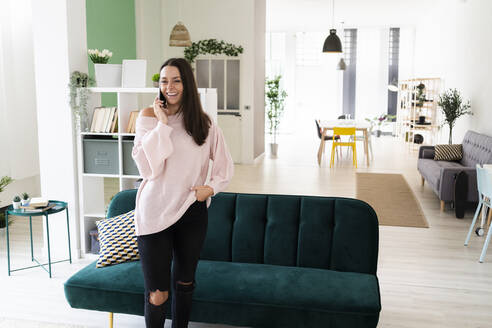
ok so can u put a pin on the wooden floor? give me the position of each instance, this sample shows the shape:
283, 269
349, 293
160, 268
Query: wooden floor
427, 277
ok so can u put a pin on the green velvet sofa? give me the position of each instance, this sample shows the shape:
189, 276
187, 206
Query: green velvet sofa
268, 261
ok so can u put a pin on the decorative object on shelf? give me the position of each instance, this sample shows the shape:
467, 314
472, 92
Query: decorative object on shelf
379, 120
180, 37
107, 75
420, 98
332, 42
418, 139
275, 98
25, 199
453, 107
211, 46
16, 202
133, 73
79, 94
155, 80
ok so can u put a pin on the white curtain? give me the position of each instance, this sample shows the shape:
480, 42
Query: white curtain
18, 123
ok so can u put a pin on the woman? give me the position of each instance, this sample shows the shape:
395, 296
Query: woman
173, 146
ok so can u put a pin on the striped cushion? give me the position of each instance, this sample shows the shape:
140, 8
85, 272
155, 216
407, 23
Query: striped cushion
118, 242
448, 153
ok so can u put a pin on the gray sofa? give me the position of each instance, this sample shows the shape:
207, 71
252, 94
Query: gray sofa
477, 149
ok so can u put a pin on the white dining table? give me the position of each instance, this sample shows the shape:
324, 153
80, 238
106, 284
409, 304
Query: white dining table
326, 125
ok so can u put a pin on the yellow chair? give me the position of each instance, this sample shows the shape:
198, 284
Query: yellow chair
344, 132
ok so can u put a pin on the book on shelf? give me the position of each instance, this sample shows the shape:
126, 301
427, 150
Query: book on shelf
107, 110
114, 128
99, 120
131, 121
110, 119
94, 115
94, 118
113, 121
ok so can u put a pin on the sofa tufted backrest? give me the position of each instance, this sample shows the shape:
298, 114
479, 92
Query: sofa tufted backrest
477, 149
307, 231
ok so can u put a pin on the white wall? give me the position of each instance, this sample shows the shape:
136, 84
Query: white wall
59, 31
237, 22
457, 47
18, 126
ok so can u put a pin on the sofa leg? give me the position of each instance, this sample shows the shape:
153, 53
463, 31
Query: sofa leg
442, 206
110, 319
423, 180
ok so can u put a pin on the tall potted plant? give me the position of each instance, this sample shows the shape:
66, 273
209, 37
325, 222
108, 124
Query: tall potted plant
275, 98
4, 181
453, 107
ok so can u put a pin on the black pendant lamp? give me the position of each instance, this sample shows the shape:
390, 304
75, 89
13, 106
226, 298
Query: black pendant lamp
332, 43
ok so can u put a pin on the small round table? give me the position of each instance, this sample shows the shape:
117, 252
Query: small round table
58, 207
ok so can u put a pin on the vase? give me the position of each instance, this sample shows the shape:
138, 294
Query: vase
108, 75
156, 84
273, 149
16, 205
378, 133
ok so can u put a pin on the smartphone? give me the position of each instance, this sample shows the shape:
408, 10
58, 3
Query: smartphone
161, 97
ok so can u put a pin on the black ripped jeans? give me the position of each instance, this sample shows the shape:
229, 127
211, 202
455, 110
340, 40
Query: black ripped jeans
180, 243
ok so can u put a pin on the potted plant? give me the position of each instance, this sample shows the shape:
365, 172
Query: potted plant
25, 199
16, 202
155, 79
275, 97
4, 181
378, 121
79, 94
107, 75
453, 107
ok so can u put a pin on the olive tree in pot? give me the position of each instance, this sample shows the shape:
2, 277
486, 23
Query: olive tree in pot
275, 98
453, 107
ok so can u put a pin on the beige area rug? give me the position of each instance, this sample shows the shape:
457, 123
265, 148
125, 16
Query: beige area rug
392, 199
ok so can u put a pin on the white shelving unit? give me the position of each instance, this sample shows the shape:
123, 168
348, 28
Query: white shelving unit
93, 200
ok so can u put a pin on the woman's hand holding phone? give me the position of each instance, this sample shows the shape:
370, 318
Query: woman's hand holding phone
160, 111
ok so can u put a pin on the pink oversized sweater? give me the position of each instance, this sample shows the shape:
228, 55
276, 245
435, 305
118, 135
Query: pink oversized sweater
171, 163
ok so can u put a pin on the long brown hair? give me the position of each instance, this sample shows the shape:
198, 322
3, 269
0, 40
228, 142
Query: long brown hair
196, 121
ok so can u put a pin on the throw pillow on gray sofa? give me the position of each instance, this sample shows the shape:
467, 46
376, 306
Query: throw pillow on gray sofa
448, 152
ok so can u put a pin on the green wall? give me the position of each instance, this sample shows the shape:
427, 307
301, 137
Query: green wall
111, 25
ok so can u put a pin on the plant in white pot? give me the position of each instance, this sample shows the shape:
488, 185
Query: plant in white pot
155, 80
275, 98
107, 75
25, 199
16, 202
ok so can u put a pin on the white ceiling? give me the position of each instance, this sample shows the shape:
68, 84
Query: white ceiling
316, 15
